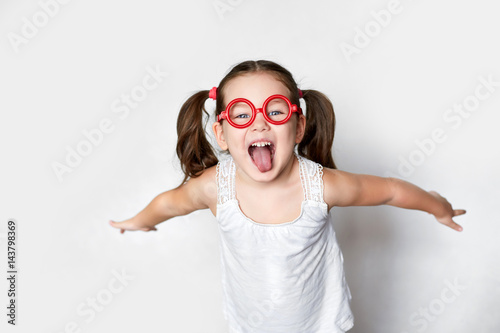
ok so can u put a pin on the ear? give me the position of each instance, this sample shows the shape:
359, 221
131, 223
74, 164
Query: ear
219, 135
301, 128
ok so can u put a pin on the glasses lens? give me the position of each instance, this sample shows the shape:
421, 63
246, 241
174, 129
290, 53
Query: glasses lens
277, 109
240, 113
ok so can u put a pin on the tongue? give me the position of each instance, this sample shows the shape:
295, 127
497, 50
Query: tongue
262, 158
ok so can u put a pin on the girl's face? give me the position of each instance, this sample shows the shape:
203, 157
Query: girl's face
262, 164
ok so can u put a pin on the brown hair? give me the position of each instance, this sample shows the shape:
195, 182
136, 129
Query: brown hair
195, 151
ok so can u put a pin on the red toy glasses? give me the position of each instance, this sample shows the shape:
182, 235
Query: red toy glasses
241, 113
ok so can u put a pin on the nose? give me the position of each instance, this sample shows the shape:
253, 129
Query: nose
260, 123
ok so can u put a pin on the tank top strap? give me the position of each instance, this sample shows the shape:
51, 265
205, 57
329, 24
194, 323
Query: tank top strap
311, 176
224, 175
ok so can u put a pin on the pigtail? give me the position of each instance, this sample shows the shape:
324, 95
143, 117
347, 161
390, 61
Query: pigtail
193, 149
320, 129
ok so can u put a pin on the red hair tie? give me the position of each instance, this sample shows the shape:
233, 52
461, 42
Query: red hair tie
300, 93
213, 93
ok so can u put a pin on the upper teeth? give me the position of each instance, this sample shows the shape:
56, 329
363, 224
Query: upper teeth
261, 144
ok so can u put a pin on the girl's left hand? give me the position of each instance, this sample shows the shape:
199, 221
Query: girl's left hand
446, 218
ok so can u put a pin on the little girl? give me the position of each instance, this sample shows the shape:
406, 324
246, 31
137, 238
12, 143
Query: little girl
281, 265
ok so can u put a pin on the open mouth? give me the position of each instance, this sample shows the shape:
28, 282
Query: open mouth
262, 154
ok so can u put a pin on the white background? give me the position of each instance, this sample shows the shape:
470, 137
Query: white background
396, 90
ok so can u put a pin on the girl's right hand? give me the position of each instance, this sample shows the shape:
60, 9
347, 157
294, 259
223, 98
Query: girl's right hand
130, 225
446, 217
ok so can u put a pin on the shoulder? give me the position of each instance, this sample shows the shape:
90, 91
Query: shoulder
208, 182
202, 190
209, 176
329, 178
337, 186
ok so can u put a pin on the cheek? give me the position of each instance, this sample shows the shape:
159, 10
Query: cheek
291, 133
235, 140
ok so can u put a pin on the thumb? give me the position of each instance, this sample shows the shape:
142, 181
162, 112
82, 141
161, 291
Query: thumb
450, 223
116, 225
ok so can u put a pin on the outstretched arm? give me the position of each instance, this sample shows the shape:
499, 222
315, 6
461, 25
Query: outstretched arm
191, 196
348, 189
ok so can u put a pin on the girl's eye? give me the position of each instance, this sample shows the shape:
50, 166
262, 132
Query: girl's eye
274, 113
240, 111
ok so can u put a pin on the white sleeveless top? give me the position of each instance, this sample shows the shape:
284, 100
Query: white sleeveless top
281, 278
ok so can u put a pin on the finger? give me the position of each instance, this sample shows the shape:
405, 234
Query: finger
114, 225
454, 226
457, 212
450, 223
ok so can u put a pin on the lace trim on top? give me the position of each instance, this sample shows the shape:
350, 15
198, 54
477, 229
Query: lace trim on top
224, 176
311, 177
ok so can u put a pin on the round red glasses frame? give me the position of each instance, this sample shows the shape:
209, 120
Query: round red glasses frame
224, 114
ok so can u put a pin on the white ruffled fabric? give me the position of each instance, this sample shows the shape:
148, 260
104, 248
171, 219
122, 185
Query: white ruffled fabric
281, 278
